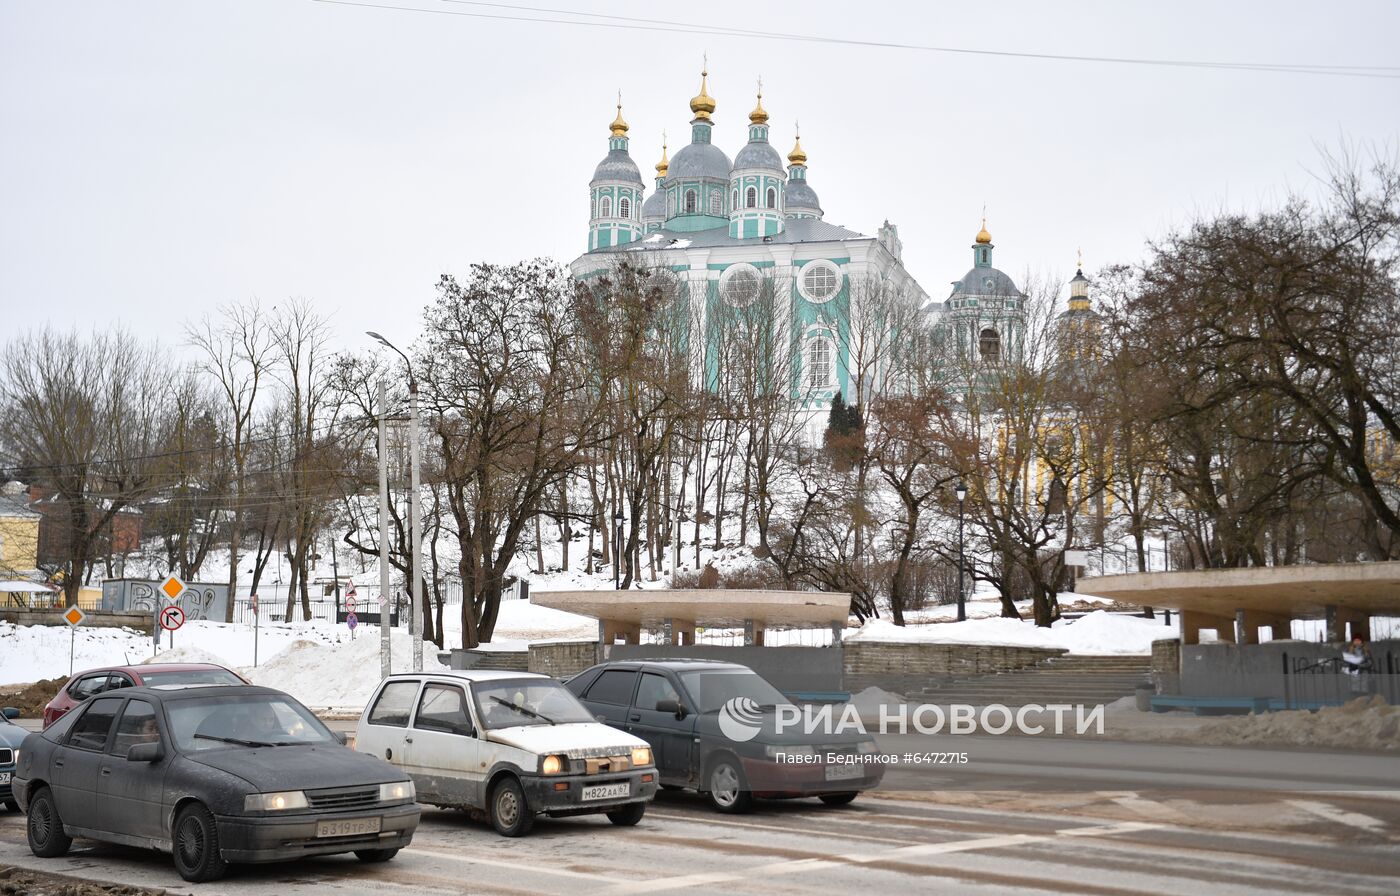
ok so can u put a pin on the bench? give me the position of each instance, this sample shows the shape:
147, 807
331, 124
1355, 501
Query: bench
1199, 705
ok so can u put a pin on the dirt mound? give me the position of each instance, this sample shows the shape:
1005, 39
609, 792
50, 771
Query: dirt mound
30, 699
20, 882
1366, 723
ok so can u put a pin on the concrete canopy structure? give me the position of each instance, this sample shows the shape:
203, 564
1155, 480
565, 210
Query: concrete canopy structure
1262, 596
623, 614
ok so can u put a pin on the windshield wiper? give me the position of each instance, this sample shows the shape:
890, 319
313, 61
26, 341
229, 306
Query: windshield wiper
524, 711
241, 742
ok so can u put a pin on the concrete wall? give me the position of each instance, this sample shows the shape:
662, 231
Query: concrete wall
562, 659
502, 660
95, 619
788, 668
1166, 665
906, 668
1256, 670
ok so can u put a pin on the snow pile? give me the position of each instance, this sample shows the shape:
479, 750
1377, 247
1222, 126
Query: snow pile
520, 622
33, 652
870, 701
340, 676
1366, 723
188, 655
1099, 632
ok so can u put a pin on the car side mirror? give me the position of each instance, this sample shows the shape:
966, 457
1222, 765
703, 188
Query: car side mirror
147, 752
341, 738
675, 707
10, 712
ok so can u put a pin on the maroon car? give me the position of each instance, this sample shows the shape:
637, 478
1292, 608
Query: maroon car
95, 681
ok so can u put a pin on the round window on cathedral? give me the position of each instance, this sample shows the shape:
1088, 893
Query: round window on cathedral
739, 285
820, 281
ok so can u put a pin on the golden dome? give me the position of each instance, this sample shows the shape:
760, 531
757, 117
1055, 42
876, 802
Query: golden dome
759, 115
665, 163
983, 237
619, 127
702, 104
797, 156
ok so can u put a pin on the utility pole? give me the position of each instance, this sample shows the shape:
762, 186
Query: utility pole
415, 523
384, 665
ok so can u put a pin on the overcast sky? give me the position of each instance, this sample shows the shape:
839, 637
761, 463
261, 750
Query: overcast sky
158, 159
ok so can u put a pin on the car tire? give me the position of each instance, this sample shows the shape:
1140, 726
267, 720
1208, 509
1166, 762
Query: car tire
375, 856
510, 814
838, 799
45, 828
628, 815
195, 842
726, 788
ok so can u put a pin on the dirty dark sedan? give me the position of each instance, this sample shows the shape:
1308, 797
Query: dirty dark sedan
214, 775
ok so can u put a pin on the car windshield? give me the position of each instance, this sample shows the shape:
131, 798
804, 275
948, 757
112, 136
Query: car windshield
243, 720
191, 676
526, 701
712, 688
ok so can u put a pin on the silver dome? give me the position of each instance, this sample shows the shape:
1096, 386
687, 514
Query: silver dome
758, 154
986, 282
799, 195
699, 160
655, 207
618, 165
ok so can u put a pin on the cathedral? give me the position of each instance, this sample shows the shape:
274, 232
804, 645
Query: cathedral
732, 230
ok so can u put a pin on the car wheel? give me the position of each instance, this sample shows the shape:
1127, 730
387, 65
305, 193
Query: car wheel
45, 829
628, 815
375, 856
838, 799
196, 851
510, 814
725, 787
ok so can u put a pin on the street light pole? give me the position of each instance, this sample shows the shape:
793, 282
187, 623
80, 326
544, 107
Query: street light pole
415, 522
961, 492
384, 649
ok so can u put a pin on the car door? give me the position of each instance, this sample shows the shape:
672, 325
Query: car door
447, 761
384, 730
670, 738
77, 762
130, 794
610, 697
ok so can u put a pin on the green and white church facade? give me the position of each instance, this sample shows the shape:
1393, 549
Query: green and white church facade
732, 230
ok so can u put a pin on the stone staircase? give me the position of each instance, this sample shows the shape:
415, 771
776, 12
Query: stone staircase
1063, 679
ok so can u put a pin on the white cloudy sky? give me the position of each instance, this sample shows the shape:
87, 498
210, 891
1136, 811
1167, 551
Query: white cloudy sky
160, 158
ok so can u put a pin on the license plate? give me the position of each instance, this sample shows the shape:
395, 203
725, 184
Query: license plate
4, 777
607, 791
347, 827
845, 772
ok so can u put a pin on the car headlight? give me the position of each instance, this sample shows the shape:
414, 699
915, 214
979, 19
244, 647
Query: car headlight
773, 751
395, 791
553, 765
275, 802
641, 756
868, 747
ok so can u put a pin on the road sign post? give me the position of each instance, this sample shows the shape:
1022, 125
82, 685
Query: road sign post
171, 618
352, 621
74, 616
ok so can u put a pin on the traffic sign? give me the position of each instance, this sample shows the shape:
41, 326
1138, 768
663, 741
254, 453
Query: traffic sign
171, 618
74, 616
172, 587
352, 620
255, 605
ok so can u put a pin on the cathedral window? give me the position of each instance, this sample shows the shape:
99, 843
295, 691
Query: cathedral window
605, 208
624, 208
772, 198
819, 362
739, 285
716, 202
820, 281
734, 199
751, 198
989, 346
691, 202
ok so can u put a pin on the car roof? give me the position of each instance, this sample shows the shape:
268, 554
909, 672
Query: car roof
467, 674
166, 692
142, 668
675, 664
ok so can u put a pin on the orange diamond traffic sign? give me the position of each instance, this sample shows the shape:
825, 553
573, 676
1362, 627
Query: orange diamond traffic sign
172, 587
74, 616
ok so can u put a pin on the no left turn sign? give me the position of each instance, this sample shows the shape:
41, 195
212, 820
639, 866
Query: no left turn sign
171, 618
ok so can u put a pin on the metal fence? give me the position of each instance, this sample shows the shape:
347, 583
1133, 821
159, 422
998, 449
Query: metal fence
1310, 683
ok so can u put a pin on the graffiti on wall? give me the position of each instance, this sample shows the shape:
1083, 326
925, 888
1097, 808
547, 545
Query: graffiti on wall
199, 601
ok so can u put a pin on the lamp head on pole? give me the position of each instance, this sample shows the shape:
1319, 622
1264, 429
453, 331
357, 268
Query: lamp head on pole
961, 491
618, 518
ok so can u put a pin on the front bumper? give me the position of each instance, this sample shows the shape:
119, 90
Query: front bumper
767, 778
7, 772
279, 838
543, 794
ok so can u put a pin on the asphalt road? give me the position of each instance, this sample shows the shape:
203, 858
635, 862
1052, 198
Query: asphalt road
1102, 842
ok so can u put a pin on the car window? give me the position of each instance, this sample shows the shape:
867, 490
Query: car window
90, 732
443, 707
511, 702
394, 704
711, 689
654, 688
243, 720
118, 680
137, 725
88, 685
614, 686
191, 676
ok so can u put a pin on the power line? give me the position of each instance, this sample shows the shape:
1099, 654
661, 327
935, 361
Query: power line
643, 24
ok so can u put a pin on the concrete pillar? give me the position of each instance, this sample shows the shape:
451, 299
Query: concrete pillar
629, 632
683, 632
1339, 617
1192, 621
1280, 625
753, 633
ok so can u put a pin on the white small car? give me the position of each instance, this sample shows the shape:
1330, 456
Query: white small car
507, 745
